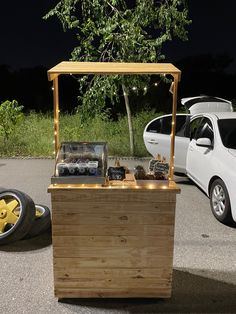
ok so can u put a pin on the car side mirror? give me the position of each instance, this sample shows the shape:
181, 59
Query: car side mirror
204, 142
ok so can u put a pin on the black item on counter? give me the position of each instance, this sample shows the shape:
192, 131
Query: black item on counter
116, 173
139, 173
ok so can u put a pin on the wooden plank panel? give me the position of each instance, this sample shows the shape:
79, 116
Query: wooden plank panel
113, 283
75, 67
104, 207
111, 244
110, 252
115, 262
113, 293
111, 241
69, 218
112, 230
112, 196
106, 273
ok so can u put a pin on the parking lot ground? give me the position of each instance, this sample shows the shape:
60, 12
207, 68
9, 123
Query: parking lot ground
204, 277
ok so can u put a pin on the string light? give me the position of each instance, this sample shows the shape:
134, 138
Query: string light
55, 132
52, 88
145, 88
156, 84
134, 88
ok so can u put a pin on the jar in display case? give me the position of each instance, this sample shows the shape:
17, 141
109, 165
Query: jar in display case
81, 162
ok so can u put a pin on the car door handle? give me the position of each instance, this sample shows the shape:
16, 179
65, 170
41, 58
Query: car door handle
152, 141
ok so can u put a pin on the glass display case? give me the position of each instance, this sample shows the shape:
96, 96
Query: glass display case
81, 163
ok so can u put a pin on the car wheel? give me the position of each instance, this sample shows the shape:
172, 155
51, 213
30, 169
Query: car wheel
41, 223
220, 202
17, 212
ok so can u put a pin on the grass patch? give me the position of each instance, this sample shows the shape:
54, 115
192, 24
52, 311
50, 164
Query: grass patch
34, 136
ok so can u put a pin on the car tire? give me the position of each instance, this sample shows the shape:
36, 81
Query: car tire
17, 213
41, 223
220, 202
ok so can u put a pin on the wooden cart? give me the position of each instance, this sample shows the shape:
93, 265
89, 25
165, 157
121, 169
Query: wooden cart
113, 241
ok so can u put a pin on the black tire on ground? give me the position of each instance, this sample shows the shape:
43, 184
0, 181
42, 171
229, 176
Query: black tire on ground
15, 219
220, 202
41, 223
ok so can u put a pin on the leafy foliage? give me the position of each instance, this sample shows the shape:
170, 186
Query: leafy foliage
119, 31
10, 116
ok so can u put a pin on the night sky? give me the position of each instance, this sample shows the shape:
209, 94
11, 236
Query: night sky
28, 41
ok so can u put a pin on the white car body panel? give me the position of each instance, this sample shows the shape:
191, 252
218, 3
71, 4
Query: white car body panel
201, 164
157, 143
219, 105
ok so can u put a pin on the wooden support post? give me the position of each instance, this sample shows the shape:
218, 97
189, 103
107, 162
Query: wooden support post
173, 127
56, 114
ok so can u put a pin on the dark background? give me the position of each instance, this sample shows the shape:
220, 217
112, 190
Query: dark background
29, 46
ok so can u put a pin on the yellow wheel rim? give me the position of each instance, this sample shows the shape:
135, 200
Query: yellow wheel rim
9, 212
39, 211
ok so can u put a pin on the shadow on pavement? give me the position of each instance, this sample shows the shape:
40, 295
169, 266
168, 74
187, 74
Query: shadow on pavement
191, 294
32, 244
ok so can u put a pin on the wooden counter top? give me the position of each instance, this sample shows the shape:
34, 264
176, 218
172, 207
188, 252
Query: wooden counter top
164, 186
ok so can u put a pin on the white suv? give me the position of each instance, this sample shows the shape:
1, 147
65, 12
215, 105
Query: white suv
205, 149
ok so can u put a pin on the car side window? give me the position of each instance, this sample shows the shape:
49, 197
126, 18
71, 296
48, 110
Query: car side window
206, 129
155, 126
182, 126
201, 127
166, 125
194, 125
163, 125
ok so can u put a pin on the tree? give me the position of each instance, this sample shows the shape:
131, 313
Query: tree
119, 31
10, 116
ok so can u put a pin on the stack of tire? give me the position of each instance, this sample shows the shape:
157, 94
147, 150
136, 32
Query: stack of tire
20, 217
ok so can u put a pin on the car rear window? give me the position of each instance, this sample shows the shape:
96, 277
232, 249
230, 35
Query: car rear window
227, 128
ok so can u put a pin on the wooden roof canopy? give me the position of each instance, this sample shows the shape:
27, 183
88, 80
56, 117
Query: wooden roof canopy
71, 67
109, 68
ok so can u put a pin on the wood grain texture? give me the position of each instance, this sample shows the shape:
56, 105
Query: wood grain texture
70, 67
113, 243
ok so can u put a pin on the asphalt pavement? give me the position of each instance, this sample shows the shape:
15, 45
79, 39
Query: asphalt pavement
204, 278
